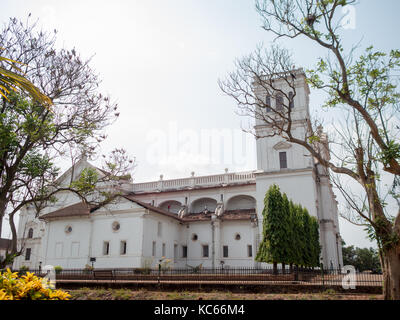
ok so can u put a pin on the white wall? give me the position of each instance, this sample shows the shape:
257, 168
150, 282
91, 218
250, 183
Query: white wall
58, 245
299, 187
237, 249
170, 235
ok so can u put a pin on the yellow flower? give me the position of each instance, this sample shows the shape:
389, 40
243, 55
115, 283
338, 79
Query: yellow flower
3, 295
28, 286
59, 295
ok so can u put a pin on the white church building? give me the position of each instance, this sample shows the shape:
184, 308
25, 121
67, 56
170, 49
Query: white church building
209, 220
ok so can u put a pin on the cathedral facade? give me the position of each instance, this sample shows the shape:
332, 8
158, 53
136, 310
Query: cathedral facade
208, 221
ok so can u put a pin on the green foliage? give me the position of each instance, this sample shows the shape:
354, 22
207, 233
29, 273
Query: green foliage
27, 287
391, 153
86, 182
272, 247
316, 247
363, 259
23, 268
58, 269
290, 234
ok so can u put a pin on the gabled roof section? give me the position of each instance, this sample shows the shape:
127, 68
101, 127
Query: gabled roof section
76, 170
82, 164
79, 209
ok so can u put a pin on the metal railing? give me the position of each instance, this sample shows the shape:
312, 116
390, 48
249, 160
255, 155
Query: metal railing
331, 277
211, 180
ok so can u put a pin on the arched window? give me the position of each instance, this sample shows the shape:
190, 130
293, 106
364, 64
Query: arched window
30, 233
203, 204
171, 206
240, 202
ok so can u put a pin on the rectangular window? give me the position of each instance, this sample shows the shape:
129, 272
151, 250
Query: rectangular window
123, 247
291, 100
268, 103
153, 249
175, 252
28, 254
184, 251
159, 229
163, 250
282, 160
225, 251
59, 250
106, 248
279, 102
249, 250
205, 251
75, 249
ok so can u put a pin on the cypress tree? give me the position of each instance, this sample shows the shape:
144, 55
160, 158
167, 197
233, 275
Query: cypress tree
315, 242
290, 234
286, 221
295, 235
273, 246
304, 237
300, 236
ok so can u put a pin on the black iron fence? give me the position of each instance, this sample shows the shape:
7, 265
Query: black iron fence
331, 277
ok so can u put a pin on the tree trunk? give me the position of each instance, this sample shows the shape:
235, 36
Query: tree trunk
275, 268
283, 268
391, 273
3, 207
14, 249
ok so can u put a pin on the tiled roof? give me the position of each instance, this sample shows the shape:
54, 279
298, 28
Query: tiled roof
81, 210
152, 208
242, 214
76, 210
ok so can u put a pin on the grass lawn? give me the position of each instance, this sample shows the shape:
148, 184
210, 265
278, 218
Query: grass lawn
144, 294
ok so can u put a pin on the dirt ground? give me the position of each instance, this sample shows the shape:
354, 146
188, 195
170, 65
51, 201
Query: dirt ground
145, 294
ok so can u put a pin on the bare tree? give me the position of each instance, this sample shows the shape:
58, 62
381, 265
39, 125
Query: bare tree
34, 137
365, 90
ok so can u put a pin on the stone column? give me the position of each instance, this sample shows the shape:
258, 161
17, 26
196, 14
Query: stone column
216, 242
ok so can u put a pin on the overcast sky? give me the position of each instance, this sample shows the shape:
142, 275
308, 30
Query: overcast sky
161, 60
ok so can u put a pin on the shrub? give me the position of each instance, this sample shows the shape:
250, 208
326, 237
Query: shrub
88, 269
23, 268
58, 269
27, 287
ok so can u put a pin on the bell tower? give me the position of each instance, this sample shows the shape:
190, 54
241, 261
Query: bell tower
290, 165
274, 153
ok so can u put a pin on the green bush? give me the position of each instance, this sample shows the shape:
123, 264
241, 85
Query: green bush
58, 269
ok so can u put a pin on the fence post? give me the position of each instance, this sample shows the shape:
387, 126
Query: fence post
159, 273
322, 273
